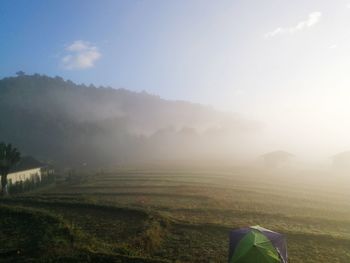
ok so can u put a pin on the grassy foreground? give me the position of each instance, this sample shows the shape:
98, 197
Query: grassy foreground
175, 216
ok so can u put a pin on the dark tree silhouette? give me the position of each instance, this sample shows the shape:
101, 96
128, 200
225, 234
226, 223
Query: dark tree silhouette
20, 73
9, 156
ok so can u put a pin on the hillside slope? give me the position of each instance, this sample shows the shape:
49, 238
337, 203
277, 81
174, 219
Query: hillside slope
58, 120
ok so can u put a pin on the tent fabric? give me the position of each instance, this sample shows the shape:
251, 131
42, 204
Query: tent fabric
257, 245
277, 240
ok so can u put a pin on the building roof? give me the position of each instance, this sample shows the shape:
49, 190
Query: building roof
26, 163
341, 155
283, 154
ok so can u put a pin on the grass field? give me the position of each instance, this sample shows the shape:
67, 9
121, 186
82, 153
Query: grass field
176, 215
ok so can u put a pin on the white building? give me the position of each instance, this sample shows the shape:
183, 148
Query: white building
28, 169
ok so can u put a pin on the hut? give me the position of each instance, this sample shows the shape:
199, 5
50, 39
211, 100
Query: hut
341, 161
276, 159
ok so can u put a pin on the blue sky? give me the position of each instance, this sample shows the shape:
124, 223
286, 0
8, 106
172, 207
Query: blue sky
278, 61
177, 49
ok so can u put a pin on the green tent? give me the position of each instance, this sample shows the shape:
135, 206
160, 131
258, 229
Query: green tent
257, 245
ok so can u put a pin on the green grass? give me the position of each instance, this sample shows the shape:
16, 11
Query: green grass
177, 216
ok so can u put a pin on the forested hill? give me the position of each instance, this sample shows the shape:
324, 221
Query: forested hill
60, 121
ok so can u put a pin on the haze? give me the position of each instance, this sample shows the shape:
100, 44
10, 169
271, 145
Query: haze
188, 131
284, 64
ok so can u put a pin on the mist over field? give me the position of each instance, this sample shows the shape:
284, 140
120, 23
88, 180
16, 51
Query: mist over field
76, 124
73, 124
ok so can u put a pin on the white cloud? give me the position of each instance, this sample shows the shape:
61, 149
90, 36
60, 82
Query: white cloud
80, 55
313, 19
333, 46
277, 31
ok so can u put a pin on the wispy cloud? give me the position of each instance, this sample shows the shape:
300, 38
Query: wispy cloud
312, 20
80, 55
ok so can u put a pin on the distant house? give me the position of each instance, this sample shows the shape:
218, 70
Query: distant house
28, 169
341, 161
276, 158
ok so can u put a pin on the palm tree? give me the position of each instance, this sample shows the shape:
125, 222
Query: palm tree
9, 156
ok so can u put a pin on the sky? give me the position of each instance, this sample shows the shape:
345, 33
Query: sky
285, 63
